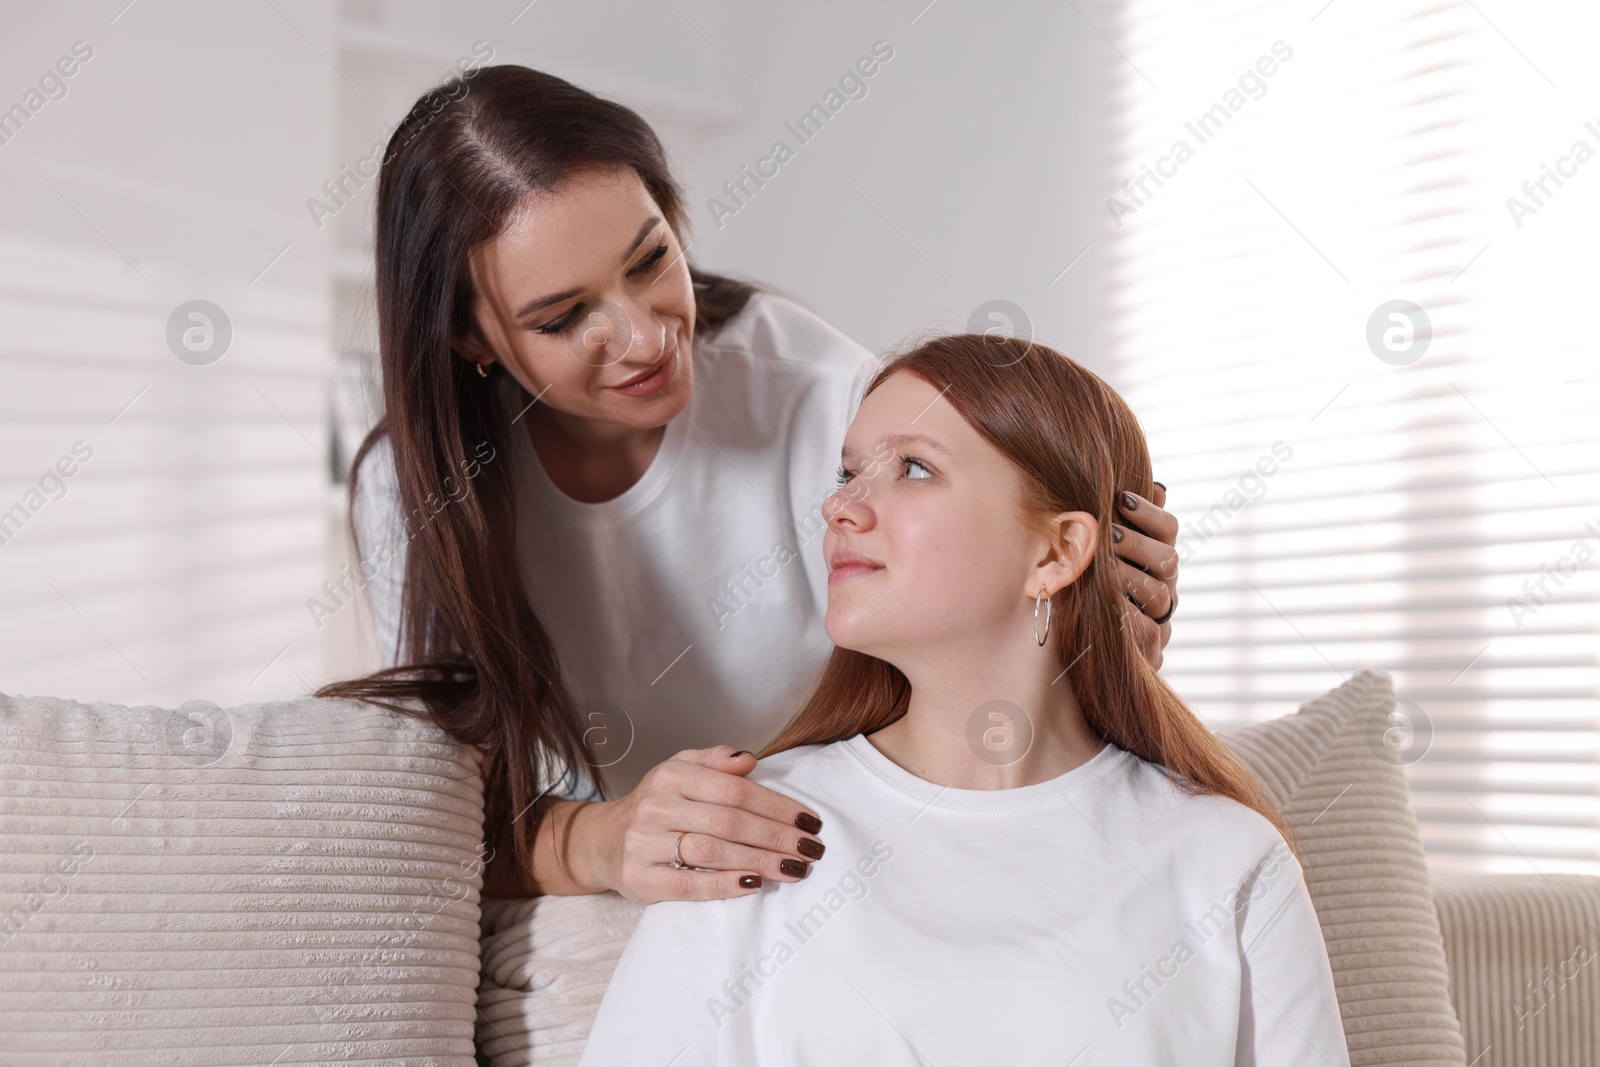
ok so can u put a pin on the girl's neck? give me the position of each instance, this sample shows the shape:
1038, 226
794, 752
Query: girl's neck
1006, 740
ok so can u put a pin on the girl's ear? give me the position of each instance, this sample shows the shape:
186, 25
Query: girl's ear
1074, 536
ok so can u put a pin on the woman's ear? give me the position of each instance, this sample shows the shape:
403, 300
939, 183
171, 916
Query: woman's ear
1071, 548
472, 349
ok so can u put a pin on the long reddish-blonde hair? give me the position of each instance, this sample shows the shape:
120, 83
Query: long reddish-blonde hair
1077, 444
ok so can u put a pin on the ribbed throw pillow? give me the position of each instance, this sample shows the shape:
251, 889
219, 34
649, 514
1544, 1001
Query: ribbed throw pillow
288, 883
546, 964
1345, 793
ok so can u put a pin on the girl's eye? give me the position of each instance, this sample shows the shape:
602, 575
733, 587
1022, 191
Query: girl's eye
842, 476
645, 266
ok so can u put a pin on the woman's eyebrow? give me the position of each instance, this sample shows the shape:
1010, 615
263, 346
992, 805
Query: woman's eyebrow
900, 439
555, 298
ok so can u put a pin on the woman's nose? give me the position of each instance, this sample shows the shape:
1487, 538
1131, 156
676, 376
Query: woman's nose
613, 332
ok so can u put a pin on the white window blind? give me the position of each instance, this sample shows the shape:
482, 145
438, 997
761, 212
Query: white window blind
1440, 518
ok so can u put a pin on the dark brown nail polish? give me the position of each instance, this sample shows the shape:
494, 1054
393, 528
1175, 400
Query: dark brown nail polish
1130, 501
750, 881
1116, 534
741, 752
808, 822
1162, 484
793, 868
810, 847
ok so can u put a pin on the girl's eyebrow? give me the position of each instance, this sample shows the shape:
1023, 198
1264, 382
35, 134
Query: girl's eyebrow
900, 439
555, 298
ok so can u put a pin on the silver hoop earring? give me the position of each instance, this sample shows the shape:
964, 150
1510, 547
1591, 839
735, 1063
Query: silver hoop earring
1049, 613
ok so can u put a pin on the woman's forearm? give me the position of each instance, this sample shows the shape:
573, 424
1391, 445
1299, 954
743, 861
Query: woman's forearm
568, 854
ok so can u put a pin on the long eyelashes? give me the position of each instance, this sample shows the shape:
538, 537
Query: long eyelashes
842, 476
645, 266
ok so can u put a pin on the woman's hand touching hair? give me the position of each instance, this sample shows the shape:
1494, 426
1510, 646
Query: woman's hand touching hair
1145, 541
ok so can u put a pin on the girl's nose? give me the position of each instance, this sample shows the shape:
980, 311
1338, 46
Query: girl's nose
847, 506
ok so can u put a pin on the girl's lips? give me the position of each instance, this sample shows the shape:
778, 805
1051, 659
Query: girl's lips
851, 570
653, 380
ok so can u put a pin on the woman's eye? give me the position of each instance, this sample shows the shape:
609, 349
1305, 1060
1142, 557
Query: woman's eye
648, 263
564, 322
843, 477
917, 463
560, 325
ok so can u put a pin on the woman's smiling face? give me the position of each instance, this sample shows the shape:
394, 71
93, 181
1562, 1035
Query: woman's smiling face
934, 509
586, 289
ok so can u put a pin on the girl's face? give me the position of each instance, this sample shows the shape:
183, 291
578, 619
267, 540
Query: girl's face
584, 291
934, 509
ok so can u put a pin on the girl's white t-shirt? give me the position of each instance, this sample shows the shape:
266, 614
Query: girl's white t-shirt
688, 611
1100, 919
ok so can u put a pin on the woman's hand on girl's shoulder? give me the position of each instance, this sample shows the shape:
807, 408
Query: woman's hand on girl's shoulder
737, 832
1146, 541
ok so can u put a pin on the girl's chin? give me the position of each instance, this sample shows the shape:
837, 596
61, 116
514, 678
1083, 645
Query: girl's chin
847, 634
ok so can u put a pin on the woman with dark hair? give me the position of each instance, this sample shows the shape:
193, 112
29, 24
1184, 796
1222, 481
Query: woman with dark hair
588, 516
1039, 854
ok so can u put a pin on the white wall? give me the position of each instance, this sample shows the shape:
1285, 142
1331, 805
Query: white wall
172, 169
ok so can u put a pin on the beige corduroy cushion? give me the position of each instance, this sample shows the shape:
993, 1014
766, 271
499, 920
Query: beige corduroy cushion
1524, 966
546, 963
286, 883
1345, 795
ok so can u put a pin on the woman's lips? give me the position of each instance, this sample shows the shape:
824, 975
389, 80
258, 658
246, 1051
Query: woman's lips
653, 380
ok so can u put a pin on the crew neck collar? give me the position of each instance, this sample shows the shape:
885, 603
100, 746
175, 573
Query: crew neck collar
931, 793
550, 498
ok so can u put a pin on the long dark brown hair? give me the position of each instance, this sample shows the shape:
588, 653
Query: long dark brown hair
1076, 444
471, 649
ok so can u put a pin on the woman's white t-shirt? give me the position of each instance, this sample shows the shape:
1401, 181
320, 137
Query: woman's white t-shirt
1100, 919
688, 611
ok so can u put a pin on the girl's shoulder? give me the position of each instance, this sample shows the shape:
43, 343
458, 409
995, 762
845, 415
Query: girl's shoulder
804, 762
1160, 806
818, 774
